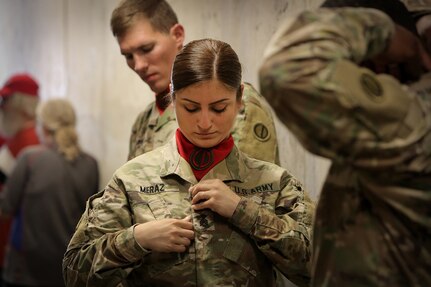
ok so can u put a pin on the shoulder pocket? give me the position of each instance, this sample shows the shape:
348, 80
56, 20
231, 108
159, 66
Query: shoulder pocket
379, 102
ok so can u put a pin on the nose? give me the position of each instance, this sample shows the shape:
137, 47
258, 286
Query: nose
204, 120
140, 64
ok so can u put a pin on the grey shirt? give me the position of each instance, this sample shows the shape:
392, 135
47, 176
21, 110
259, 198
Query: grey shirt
46, 196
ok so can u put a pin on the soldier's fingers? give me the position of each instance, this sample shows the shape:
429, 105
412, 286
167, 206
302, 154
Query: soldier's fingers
202, 186
183, 241
200, 196
184, 224
177, 248
196, 189
187, 218
186, 233
204, 204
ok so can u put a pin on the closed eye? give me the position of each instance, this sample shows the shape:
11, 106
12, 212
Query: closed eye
147, 48
191, 110
128, 56
219, 110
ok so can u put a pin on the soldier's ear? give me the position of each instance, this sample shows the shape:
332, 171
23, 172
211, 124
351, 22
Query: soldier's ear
239, 93
178, 34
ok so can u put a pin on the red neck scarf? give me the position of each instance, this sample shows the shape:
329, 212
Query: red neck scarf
202, 160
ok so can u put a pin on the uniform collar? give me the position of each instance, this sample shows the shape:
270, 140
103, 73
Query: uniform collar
158, 121
229, 169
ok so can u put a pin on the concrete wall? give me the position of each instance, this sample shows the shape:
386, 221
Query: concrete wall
68, 47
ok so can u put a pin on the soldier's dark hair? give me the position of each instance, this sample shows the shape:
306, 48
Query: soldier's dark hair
158, 12
395, 9
203, 60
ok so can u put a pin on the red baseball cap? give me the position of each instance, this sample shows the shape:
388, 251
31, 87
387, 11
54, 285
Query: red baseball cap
21, 83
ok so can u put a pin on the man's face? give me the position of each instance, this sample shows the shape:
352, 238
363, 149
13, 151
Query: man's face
11, 120
150, 53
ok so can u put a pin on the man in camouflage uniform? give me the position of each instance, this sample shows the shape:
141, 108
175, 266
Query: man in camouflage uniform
149, 37
373, 220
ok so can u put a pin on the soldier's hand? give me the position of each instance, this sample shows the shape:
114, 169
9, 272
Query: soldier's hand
215, 195
406, 49
165, 235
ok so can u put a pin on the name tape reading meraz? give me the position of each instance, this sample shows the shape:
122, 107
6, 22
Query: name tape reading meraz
160, 187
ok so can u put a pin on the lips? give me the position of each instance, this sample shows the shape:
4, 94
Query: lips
205, 135
150, 77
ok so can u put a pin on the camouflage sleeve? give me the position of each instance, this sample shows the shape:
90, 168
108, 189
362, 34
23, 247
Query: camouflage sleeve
297, 76
284, 236
138, 129
335, 107
103, 251
254, 131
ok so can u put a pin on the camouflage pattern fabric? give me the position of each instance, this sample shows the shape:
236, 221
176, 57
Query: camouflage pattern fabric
373, 219
254, 132
417, 5
152, 130
270, 227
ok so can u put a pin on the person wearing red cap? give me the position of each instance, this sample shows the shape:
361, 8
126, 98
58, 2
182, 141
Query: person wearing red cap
45, 196
18, 100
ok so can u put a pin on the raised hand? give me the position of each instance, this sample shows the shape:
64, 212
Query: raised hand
214, 194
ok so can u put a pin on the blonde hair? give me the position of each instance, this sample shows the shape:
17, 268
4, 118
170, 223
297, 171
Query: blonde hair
58, 117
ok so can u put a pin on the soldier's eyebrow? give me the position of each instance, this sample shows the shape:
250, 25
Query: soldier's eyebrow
213, 103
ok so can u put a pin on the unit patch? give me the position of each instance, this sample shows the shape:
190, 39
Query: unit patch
201, 159
372, 88
261, 132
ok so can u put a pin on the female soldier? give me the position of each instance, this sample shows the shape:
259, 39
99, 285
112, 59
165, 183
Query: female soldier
197, 211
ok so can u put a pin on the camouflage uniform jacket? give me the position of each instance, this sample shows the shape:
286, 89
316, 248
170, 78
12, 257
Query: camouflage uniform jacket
270, 227
254, 131
373, 219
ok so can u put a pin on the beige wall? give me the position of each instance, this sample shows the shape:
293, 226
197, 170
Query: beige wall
67, 46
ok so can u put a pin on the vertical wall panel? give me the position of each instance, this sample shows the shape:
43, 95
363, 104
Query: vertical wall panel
68, 46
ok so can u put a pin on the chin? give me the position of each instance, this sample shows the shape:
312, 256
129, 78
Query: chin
158, 87
206, 143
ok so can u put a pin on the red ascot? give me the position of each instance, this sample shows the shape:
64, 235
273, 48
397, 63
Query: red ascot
202, 160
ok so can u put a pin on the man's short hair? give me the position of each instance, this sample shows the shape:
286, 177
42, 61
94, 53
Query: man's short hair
158, 12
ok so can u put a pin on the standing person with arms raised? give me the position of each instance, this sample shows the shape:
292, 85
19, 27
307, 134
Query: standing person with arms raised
196, 211
149, 37
339, 80
45, 195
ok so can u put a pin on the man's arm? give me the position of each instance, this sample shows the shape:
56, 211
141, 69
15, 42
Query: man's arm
254, 131
313, 79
